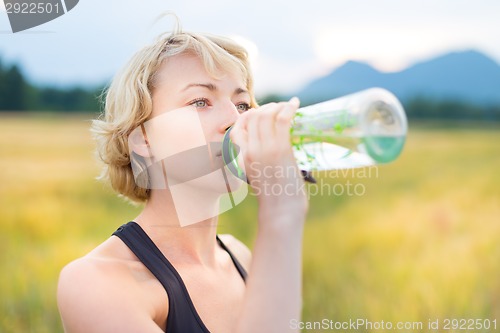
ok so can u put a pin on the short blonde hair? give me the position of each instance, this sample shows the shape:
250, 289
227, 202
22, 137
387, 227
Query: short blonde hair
128, 101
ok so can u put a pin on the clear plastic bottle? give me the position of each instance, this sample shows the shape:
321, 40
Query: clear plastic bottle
361, 129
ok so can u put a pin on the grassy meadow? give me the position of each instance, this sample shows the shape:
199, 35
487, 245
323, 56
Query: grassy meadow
412, 241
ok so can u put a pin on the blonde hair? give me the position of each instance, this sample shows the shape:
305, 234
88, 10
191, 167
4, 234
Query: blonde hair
128, 101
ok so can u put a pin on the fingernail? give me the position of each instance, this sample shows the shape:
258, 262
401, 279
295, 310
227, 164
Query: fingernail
294, 100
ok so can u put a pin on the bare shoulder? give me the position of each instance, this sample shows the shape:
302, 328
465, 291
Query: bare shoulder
239, 249
99, 293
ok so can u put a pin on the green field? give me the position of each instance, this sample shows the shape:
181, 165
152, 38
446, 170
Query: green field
413, 241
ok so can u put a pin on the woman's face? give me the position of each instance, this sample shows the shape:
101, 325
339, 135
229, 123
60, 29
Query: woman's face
191, 113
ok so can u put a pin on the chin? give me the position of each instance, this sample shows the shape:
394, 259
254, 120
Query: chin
221, 181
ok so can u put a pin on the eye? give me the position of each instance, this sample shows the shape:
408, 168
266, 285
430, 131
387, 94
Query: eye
199, 103
242, 107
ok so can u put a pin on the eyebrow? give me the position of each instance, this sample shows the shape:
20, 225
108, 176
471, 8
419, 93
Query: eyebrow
213, 87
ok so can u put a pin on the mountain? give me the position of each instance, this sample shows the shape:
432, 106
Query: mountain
467, 76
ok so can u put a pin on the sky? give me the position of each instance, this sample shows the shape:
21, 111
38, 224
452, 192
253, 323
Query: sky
291, 42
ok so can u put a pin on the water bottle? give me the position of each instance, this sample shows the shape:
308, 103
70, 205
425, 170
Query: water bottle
357, 130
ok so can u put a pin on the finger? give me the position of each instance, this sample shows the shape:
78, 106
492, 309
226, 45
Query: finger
255, 139
295, 102
285, 116
239, 135
265, 122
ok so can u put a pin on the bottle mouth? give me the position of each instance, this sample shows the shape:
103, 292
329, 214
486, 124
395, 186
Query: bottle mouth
230, 153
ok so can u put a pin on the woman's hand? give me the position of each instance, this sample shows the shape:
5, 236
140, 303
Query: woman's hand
274, 286
263, 135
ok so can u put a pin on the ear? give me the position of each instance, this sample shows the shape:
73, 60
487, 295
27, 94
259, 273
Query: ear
138, 143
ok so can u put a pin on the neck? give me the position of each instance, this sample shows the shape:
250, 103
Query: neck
172, 227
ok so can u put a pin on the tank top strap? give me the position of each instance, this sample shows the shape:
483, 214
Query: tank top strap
237, 264
182, 315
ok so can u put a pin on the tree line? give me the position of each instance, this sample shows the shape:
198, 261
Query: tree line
17, 94
427, 108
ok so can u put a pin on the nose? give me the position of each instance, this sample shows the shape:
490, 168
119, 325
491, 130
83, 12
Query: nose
229, 117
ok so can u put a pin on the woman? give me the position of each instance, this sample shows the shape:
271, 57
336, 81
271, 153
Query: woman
168, 270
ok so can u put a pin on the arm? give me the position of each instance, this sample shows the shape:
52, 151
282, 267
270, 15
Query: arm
273, 296
95, 297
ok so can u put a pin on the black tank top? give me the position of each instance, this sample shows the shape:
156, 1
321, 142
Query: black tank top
182, 315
